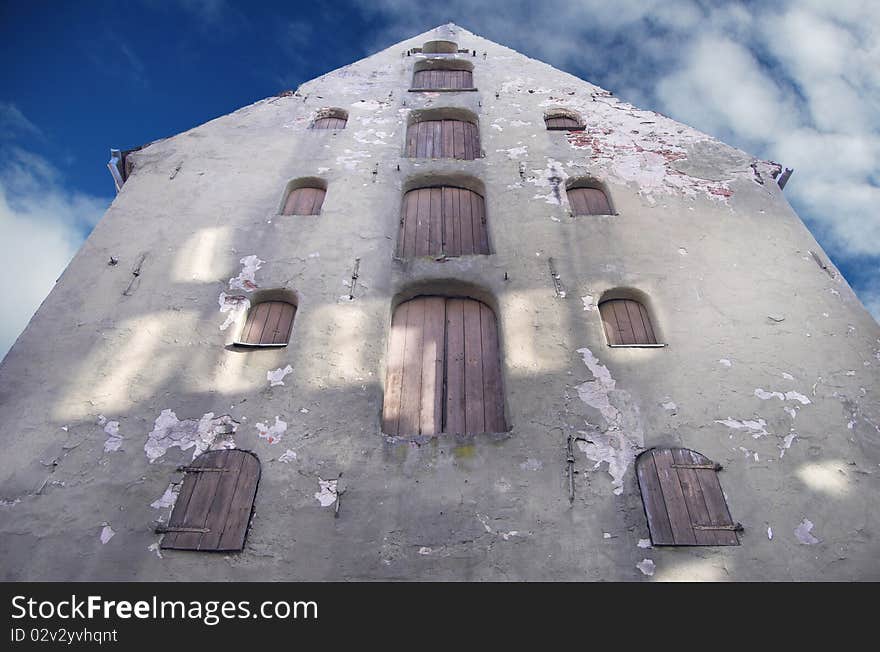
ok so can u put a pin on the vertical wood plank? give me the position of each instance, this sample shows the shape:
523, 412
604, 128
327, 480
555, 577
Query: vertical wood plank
652, 499
273, 318
435, 245
478, 212
449, 215
242, 504
423, 139
673, 496
466, 220
394, 370
693, 497
201, 500
640, 335
218, 514
716, 504
454, 421
411, 395
412, 140
475, 411
448, 139
178, 513
625, 329
423, 222
606, 311
458, 139
433, 350
493, 396
646, 321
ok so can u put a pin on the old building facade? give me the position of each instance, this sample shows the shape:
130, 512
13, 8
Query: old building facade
446, 297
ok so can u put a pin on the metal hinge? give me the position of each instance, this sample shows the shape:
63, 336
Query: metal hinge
202, 469
735, 527
714, 466
166, 529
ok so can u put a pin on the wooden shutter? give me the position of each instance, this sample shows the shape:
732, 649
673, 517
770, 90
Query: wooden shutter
215, 502
268, 324
304, 201
444, 371
443, 139
626, 322
683, 499
443, 79
442, 221
329, 123
588, 201
562, 123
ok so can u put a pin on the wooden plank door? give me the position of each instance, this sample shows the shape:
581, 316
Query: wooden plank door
626, 322
304, 201
442, 221
683, 500
444, 372
443, 79
268, 324
215, 503
443, 139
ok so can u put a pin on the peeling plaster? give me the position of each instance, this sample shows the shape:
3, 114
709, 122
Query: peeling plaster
589, 302
787, 396
326, 494
622, 437
201, 434
769, 533
168, 498
154, 547
351, 159
724, 362
803, 533
274, 433
107, 533
514, 153
669, 406
787, 441
644, 543
757, 427
246, 279
288, 456
552, 177
235, 305
647, 567
276, 376
114, 439
531, 464
656, 153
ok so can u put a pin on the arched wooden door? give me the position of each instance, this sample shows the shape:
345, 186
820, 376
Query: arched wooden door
442, 221
444, 369
443, 139
443, 79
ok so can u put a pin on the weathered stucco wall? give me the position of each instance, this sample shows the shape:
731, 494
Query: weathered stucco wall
771, 368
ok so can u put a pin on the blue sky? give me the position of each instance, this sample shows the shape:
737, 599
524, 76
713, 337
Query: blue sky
796, 82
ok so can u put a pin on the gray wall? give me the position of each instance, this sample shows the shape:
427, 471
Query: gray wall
771, 366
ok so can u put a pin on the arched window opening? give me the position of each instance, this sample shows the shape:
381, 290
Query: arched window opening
627, 323
444, 369
216, 500
442, 221
683, 499
268, 324
563, 120
456, 139
588, 201
306, 200
331, 119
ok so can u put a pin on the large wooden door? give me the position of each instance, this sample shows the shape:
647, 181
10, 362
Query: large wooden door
444, 371
442, 221
443, 139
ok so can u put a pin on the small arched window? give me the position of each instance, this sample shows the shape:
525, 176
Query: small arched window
441, 221
588, 201
563, 120
683, 499
627, 323
457, 139
306, 200
215, 503
268, 324
444, 369
330, 119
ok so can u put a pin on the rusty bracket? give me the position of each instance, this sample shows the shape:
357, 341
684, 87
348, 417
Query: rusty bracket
166, 529
202, 469
714, 466
730, 527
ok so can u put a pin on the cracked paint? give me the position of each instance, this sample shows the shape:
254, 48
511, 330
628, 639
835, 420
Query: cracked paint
168, 498
552, 177
787, 396
514, 153
589, 302
326, 494
114, 439
787, 441
201, 434
724, 362
644, 543
235, 306
647, 567
107, 533
276, 376
622, 438
350, 159
272, 433
756, 427
288, 456
803, 533
246, 279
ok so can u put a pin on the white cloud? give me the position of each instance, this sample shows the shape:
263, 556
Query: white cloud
42, 226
